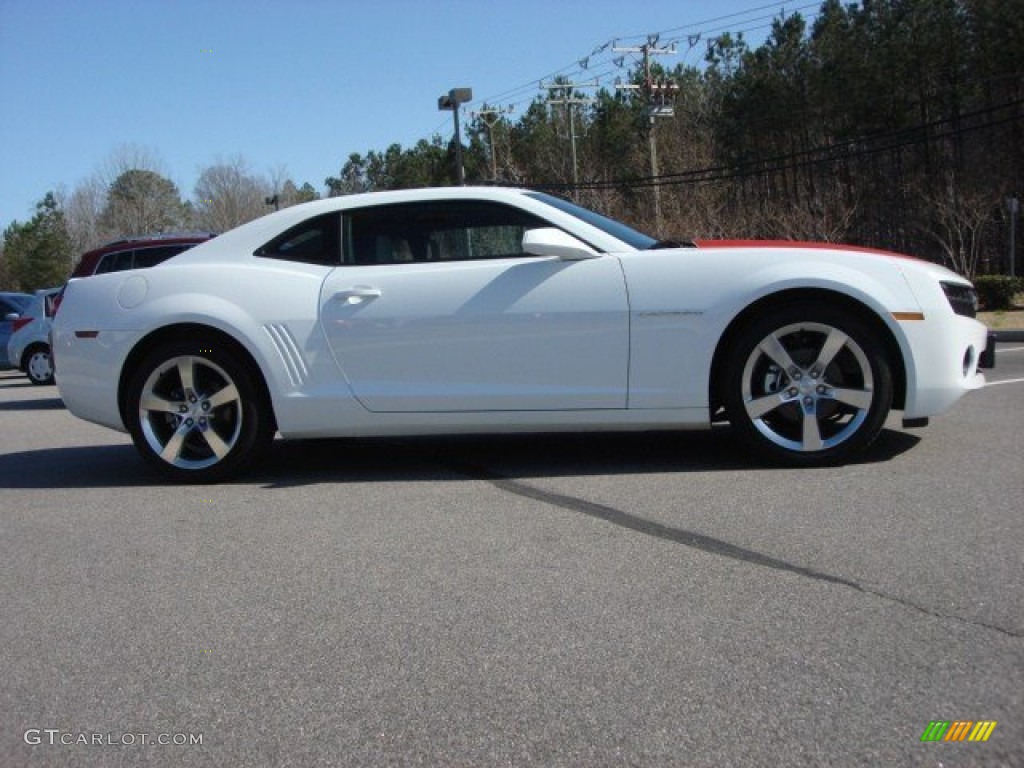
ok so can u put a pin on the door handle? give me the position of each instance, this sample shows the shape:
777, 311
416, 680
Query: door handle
357, 294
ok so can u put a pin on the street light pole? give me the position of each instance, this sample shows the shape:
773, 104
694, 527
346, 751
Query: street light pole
451, 100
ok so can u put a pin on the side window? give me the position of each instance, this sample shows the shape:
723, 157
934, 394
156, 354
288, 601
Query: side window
150, 257
442, 231
115, 262
315, 241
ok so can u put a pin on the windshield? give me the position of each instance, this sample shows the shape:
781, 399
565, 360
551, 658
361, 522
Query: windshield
616, 229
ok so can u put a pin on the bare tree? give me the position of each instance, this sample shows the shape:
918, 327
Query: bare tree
958, 222
227, 195
129, 157
82, 211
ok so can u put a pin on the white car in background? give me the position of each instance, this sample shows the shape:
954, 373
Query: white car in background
28, 349
491, 310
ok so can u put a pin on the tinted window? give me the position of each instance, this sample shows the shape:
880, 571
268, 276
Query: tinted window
315, 240
115, 262
441, 231
150, 257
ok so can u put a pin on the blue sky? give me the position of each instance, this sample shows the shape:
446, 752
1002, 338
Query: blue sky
299, 84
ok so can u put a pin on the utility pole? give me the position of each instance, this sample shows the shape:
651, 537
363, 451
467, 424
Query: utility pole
658, 95
490, 118
570, 102
451, 100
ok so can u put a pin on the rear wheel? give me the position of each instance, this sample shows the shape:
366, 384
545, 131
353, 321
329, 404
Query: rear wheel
38, 364
197, 414
808, 385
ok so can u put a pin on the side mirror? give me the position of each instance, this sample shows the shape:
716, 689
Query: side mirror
549, 241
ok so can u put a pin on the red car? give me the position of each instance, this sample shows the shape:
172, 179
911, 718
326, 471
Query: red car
136, 252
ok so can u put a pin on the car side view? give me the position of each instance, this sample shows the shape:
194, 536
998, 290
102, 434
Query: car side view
485, 310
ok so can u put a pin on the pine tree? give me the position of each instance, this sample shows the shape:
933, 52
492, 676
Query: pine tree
38, 254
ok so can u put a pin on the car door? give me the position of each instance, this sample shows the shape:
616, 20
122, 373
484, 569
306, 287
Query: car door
438, 309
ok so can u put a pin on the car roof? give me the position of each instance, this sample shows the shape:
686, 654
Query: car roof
244, 238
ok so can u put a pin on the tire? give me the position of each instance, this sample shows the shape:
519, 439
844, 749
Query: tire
38, 365
808, 385
196, 413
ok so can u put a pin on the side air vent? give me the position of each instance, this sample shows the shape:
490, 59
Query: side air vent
290, 354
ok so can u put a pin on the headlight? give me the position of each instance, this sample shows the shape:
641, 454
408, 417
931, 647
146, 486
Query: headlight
962, 298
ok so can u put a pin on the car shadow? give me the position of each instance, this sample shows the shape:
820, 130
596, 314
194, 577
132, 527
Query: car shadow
311, 462
42, 404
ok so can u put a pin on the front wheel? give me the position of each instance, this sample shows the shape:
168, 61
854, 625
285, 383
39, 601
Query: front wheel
196, 414
808, 385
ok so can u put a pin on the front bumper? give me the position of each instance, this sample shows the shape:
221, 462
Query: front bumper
945, 362
988, 357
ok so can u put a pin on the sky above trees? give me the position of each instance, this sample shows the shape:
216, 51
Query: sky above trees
897, 124
299, 85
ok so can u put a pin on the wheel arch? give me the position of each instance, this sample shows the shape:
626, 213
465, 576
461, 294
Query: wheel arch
186, 332
787, 298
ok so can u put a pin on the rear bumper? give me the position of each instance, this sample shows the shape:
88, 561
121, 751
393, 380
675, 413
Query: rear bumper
88, 373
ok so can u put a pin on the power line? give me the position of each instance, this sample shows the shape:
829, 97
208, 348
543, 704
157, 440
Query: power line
827, 154
704, 30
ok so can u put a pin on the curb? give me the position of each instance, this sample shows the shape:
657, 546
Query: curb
1008, 334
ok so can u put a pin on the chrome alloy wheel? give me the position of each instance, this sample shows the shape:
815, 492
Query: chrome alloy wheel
190, 412
807, 387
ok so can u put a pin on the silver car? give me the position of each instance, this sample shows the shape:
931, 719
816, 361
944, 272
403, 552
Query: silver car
29, 346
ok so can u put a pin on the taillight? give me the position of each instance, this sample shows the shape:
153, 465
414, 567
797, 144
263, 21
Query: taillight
21, 322
55, 303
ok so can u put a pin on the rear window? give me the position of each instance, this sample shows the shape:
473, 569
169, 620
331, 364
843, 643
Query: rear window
15, 303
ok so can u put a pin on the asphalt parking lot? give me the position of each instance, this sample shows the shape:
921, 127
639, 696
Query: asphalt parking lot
582, 600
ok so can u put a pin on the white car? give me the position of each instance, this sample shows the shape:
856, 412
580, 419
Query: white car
29, 346
491, 310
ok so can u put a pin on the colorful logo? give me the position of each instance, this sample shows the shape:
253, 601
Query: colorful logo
958, 730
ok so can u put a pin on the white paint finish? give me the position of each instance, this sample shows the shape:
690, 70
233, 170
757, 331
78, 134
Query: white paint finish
525, 344
497, 335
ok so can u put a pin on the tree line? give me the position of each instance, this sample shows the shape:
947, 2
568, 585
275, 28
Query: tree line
897, 124
891, 123
128, 196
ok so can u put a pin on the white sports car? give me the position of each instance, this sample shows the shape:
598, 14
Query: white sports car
498, 310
